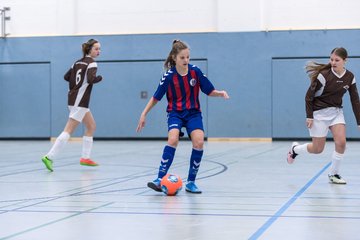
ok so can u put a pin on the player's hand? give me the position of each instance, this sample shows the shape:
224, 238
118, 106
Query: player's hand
224, 94
309, 122
141, 123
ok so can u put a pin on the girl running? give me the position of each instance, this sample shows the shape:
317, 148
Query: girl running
329, 83
81, 77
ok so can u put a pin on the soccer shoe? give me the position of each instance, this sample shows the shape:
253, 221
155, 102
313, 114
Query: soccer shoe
192, 188
48, 163
155, 185
291, 154
337, 179
88, 162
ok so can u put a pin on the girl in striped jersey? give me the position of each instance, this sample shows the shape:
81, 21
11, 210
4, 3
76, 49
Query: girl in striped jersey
181, 84
81, 77
329, 83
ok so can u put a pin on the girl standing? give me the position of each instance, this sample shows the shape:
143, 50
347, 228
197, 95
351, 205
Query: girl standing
181, 83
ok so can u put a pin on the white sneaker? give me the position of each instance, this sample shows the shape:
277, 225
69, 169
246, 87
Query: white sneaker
291, 154
337, 179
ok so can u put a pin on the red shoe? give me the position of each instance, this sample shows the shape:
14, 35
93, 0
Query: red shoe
88, 162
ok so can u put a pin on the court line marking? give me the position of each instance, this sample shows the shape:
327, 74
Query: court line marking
54, 221
278, 214
180, 214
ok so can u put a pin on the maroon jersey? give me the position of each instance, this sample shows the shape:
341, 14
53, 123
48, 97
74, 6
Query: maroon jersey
81, 77
328, 90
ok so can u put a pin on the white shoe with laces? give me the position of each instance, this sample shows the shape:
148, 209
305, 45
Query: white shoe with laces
337, 179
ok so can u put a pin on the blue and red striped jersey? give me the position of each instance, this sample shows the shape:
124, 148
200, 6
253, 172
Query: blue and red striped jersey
182, 92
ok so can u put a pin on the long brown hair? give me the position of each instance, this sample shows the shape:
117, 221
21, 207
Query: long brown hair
313, 68
177, 46
86, 47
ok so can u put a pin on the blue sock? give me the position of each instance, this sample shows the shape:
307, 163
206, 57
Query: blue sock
195, 160
167, 159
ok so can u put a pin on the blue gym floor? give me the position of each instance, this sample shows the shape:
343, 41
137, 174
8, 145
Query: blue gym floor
249, 192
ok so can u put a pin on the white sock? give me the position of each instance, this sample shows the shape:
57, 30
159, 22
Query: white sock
301, 148
335, 162
86, 147
60, 142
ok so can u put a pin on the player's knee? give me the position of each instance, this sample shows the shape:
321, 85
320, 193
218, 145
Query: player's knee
91, 127
341, 145
173, 141
318, 150
198, 143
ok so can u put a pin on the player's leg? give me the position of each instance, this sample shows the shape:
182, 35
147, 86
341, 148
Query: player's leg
87, 142
197, 138
174, 126
339, 134
60, 143
318, 132
195, 128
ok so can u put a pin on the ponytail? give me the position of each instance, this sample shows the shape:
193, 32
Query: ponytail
313, 68
86, 47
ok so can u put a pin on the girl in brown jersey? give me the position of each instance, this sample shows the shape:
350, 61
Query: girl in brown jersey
81, 77
329, 83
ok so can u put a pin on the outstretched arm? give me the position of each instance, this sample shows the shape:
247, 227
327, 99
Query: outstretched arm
152, 102
217, 93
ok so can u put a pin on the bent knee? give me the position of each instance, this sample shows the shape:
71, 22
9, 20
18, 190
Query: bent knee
341, 143
173, 141
198, 143
318, 151
91, 127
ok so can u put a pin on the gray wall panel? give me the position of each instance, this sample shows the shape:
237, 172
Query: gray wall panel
25, 100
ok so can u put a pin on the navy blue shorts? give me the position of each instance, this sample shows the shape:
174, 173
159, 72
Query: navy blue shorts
191, 120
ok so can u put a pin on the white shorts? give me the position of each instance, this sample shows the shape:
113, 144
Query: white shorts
325, 118
77, 113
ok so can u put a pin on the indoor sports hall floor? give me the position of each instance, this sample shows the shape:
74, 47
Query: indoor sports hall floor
249, 192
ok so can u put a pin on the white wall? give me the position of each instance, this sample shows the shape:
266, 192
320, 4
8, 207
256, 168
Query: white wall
310, 14
82, 17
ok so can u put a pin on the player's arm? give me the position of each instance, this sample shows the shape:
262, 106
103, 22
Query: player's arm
152, 102
160, 92
355, 101
91, 74
207, 87
309, 101
67, 75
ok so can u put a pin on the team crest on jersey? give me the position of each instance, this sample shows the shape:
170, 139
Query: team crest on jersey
193, 82
346, 87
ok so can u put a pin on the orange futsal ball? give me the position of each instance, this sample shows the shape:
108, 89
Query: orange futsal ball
171, 184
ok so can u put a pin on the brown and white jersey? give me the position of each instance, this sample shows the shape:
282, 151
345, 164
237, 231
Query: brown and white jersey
81, 77
328, 90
